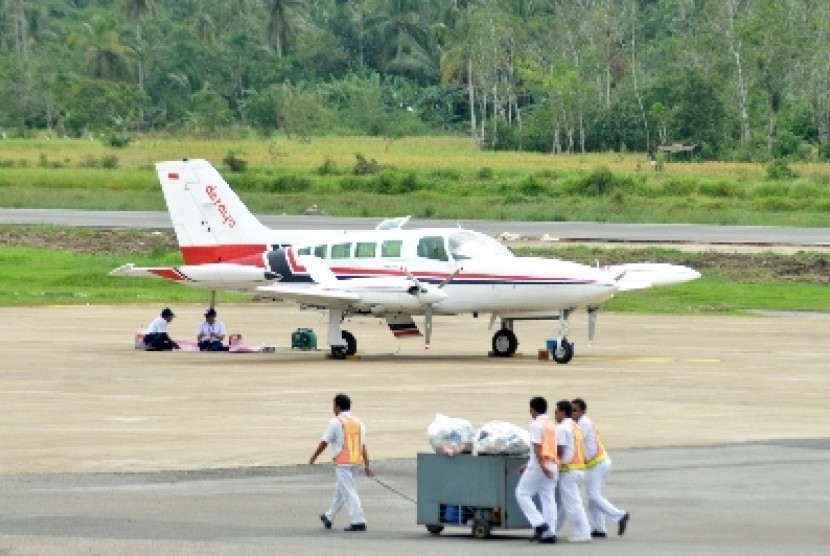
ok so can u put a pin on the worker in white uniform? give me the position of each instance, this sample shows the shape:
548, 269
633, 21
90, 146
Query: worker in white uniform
538, 475
156, 337
571, 474
211, 333
597, 469
347, 437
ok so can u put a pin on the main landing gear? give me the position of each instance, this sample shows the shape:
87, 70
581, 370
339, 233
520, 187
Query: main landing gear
342, 342
505, 341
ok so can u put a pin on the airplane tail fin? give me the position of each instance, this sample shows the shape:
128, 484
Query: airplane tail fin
212, 223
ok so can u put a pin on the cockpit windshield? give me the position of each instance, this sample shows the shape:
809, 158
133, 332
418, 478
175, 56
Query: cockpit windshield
473, 245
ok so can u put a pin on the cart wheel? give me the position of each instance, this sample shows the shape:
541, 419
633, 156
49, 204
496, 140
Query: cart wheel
481, 529
435, 529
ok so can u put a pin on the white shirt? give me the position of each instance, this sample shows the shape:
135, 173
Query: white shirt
157, 326
588, 439
334, 433
208, 331
536, 432
565, 437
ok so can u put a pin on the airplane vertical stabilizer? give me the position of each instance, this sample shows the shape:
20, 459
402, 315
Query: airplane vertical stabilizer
212, 223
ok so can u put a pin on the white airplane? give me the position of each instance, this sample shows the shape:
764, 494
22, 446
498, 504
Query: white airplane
389, 272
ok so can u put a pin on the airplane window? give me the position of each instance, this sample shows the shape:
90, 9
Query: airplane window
391, 248
432, 247
364, 250
321, 251
304, 251
470, 245
341, 250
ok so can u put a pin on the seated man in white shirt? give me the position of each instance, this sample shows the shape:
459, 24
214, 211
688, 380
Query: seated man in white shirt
156, 337
211, 333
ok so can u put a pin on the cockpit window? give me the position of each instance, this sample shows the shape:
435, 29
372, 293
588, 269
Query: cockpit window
432, 247
474, 245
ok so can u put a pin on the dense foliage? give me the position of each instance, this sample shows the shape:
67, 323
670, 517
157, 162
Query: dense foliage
741, 79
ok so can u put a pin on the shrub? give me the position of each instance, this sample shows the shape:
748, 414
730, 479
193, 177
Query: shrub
779, 170
119, 140
234, 162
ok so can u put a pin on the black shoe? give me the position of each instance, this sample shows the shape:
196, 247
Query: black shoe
623, 524
356, 527
539, 531
598, 534
548, 540
325, 520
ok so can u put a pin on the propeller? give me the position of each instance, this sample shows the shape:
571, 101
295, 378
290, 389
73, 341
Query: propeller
429, 295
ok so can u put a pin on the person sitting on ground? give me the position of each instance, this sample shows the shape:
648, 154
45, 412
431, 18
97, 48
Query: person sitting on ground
211, 333
156, 337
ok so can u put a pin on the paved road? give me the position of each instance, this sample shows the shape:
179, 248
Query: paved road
718, 428
566, 231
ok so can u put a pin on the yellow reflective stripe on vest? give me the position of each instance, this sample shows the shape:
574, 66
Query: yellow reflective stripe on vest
352, 451
578, 461
600, 456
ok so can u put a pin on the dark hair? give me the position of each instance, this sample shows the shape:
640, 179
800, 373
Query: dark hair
580, 404
210, 312
343, 402
565, 407
539, 404
167, 312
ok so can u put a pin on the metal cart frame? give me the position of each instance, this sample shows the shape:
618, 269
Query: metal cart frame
469, 491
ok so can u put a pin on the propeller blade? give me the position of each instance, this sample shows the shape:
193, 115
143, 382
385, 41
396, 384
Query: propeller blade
450, 277
427, 325
592, 321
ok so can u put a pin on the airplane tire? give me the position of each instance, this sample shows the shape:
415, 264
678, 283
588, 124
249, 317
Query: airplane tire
341, 352
564, 352
504, 343
351, 343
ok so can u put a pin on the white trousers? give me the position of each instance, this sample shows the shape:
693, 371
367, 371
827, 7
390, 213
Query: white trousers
598, 506
532, 483
345, 493
569, 503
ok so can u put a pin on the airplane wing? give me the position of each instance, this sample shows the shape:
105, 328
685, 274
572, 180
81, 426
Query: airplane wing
637, 276
312, 294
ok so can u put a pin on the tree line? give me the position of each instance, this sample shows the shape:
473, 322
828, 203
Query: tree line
741, 79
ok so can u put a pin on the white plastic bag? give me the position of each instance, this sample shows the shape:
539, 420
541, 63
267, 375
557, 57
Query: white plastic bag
501, 438
450, 435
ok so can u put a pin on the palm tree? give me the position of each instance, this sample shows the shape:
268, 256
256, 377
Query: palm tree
279, 26
106, 56
137, 10
403, 27
457, 52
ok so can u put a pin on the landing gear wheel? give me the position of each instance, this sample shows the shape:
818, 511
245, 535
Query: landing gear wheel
504, 343
564, 351
481, 529
341, 352
435, 529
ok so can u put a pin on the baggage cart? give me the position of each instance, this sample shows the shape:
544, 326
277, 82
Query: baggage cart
469, 491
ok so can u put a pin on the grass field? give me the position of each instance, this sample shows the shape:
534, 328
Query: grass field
430, 177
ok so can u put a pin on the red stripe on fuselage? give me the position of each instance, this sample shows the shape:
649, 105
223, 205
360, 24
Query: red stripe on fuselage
239, 254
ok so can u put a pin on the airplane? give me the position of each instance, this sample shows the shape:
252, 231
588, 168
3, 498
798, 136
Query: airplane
390, 272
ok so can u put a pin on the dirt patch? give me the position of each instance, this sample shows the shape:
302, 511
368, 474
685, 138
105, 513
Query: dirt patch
803, 267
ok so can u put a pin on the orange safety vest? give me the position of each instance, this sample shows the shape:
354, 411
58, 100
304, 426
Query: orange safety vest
578, 461
600, 455
352, 451
549, 441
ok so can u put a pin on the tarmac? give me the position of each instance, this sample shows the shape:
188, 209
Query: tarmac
718, 427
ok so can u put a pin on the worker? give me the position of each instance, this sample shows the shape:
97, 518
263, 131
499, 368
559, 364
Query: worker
597, 469
538, 475
347, 437
156, 337
211, 333
571, 474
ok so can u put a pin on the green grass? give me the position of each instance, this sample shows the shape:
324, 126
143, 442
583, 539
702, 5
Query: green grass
427, 177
